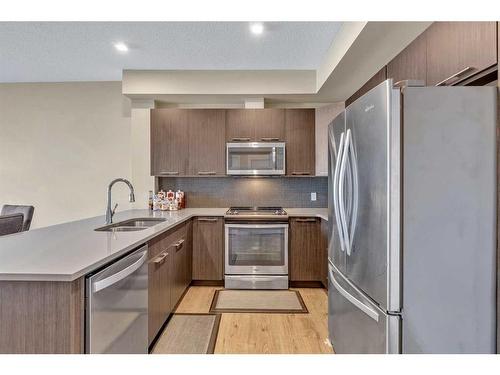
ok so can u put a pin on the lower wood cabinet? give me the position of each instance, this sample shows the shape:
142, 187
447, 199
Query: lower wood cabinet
169, 274
181, 272
307, 250
159, 285
208, 248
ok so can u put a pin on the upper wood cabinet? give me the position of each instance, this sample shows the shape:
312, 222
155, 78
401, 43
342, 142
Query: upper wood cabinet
456, 50
379, 77
411, 63
187, 142
208, 248
250, 125
169, 142
307, 251
300, 141
206, 129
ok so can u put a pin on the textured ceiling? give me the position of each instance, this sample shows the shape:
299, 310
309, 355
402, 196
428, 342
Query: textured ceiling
83, 51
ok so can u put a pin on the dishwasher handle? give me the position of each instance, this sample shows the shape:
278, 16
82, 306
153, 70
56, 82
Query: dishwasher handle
120, 275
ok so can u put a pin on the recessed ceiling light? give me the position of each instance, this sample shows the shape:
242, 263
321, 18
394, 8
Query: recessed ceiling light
257, 28
121, 47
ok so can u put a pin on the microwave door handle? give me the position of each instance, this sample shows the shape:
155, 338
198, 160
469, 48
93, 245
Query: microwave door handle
342, 208
336, 191
274, 158
355, 188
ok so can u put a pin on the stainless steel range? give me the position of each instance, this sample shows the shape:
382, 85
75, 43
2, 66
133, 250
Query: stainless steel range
256, 249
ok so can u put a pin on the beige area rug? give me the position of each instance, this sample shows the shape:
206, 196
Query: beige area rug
189, 334
258, 301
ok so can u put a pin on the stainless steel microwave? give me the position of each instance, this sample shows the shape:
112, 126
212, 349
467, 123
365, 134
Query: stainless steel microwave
255, 158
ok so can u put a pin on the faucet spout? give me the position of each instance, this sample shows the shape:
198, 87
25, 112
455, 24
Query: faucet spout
110, 212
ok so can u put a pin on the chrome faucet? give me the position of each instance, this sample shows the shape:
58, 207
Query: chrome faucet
111, 212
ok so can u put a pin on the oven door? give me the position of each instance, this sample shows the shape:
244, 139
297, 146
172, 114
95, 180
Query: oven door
255, 158
256, 249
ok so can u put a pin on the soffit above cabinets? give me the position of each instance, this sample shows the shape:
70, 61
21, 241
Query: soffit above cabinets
359, 50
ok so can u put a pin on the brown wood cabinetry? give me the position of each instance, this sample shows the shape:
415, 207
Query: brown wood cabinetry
207, 128
159, 284
246, 125
181, 272
187, 142
169, 142
456, 50
42, 317
379, 77
411, 63
208, 248
169, 274
300, 141
307, 256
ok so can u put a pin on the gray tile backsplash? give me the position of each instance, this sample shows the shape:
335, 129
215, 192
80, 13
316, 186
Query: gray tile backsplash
241, 191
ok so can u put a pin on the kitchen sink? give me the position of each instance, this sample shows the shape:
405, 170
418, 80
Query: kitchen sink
131, 225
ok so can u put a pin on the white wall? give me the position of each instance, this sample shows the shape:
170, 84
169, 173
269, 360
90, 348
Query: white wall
60, 146
324, 115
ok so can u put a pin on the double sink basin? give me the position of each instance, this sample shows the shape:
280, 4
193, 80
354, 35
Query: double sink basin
132, 225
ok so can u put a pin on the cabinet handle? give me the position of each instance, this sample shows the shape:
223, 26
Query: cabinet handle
206, 173
267, 139
301, 173
456, 75
240, 139
208, 220
178, 245
308, 220
161, 258
169, 173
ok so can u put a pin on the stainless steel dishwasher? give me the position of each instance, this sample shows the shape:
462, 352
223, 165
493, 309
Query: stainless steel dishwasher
117, 306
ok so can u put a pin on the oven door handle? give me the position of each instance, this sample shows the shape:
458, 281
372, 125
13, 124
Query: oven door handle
256, 226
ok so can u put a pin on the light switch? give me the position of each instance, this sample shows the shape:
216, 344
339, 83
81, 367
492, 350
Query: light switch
313, 196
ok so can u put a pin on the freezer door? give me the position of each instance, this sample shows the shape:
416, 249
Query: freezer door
449, 220
372, 125
356, 325
336, 136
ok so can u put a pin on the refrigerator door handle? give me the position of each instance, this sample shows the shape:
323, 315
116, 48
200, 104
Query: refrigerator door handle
360, 305
342, 208
336, 188
355, 183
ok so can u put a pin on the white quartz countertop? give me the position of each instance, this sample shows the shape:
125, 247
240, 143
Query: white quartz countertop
65, 252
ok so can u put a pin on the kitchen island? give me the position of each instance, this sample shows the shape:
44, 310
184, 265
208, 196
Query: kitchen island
42, 275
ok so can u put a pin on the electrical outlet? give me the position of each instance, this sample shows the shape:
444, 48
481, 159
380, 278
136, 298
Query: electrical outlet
313, 196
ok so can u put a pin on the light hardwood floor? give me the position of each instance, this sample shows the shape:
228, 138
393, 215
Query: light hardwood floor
267, 333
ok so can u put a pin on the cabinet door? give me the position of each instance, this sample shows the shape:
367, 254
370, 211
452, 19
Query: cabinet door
169, 142
207, 142
411, 63
457, 50
159, 271
269, 124
180, 251
379, 77
306, 253
208, 248
255, 125
300, 141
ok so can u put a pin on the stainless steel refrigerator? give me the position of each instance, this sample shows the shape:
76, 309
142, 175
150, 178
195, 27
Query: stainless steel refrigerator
412, 216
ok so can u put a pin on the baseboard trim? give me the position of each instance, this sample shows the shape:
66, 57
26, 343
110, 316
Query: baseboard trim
207, 282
